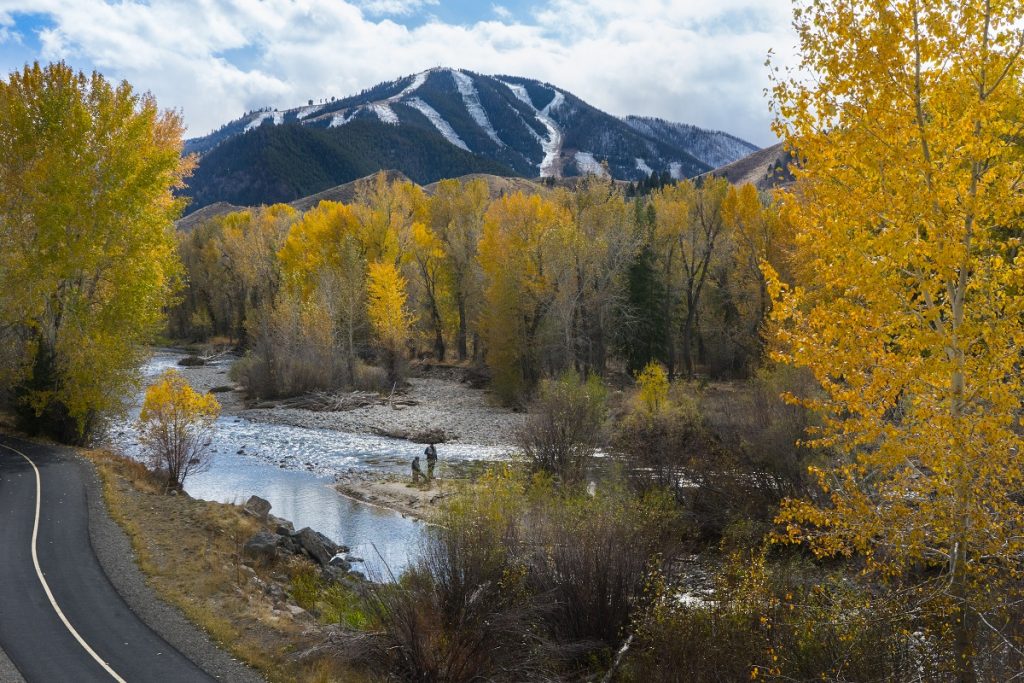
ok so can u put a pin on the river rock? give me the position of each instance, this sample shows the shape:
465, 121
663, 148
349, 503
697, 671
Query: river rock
334, 574
262, 547
319, 547
257, 507
341, 562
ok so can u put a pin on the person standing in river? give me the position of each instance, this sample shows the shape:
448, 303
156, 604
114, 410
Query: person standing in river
416, 471
431, 454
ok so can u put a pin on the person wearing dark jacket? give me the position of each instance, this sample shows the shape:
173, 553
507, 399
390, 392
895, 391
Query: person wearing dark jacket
431, 454
416, 471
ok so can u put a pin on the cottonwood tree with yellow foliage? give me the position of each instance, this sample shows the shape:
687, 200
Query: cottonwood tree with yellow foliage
389, 318
908, 305
87, 173
175, 428
522, 253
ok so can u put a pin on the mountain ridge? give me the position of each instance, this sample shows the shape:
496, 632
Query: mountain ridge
441, 123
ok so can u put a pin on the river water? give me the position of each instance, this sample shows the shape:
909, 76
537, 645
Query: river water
294, 469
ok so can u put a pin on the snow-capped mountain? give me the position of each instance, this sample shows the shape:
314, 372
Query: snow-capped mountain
714, 147
440, 123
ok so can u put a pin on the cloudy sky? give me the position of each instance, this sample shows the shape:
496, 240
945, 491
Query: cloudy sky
698, 61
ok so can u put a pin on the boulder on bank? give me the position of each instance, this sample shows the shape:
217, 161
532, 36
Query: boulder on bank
257, 507
262, 547
319, 547
191, 362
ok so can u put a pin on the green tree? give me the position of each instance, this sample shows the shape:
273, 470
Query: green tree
87, 174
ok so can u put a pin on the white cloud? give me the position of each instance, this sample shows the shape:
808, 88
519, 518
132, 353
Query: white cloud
394, 7
696, 62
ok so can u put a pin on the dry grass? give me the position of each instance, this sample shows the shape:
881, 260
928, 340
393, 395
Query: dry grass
190, 551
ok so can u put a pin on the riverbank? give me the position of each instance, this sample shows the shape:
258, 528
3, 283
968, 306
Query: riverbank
438, 405
191, 552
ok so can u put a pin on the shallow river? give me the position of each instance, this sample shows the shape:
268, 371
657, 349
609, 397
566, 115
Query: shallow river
294, 467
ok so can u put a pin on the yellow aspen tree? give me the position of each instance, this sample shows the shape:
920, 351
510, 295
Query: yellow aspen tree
908, 304
523, 254
760, 234
323, 260
688, 227
603, 243
88, 170
456, 216
175, 428
426, 254
386, 299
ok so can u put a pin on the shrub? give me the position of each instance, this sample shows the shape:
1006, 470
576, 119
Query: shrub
659, 443
461, 613
370, 378
294, 350
787, 621
522, 579
565, 426
175, 427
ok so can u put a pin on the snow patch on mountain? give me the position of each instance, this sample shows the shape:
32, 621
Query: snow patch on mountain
442, 126
471, 98
552, 146
384, 113
587, 164
341, 118
276, 116
642, 166
307, 111
417, 81
675, 169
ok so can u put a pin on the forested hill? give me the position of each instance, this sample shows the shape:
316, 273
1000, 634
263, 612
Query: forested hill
436, 124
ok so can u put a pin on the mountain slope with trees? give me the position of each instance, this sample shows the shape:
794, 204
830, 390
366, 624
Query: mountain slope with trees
437, 124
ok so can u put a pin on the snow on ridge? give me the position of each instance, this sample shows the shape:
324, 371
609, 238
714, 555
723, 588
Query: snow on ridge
586, 163
471, 98
554, 104
417, 80
340, 119
258, 121
553, 145
675, 169
641, 165
384, 113
303, 112
442, 126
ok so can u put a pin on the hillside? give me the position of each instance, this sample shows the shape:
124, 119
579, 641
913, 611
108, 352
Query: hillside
765, 169
286, 162
436, 124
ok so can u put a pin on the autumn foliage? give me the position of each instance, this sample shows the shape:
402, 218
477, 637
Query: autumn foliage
907, 304
175, 428
87, 174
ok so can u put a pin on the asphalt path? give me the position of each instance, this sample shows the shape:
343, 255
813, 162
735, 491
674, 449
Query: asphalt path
61, 619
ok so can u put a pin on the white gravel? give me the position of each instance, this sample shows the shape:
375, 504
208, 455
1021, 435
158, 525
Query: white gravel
466, 415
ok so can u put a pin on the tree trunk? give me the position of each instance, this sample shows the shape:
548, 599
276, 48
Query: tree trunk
460, 339
438, 336
963, 645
